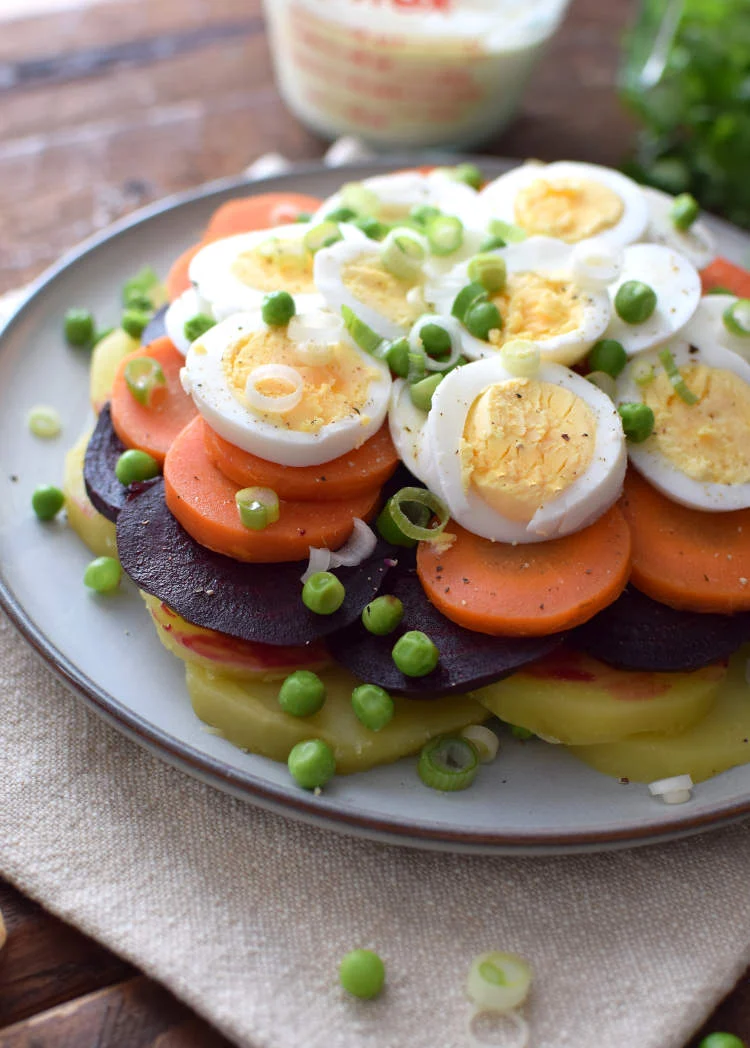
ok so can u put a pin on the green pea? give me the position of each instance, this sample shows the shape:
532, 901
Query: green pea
79, 327
609, 356
198, 326
396, 356
436, 340
467, 297
415, 654
311, 764
303, 216
47, 501
135, 322
371, 227
134, 466
140, 287
684, 211
278, 308
470, 174
382, 615
637, 421
323, 593
721, 1040
372, 706
302, 694
488, 270
422, 392
103, 574
483, 318
424, 213
492, 243
341, 214
362, 974
635, 302
521, 733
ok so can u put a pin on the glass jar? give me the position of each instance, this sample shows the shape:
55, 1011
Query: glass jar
408, 73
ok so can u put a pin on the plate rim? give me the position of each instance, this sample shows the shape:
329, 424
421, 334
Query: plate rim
247, 785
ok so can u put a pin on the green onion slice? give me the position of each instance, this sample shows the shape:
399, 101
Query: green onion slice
445, 234
363, 335
521, 357
737, 318
642, 373
604, 382
422, 497
466, 298
488, 270
507, 231
417, 346
143, 377
678, 382
44, 422
448, 763
258, 507
402, 254
499, 982
321, 236
417, 365
361, 200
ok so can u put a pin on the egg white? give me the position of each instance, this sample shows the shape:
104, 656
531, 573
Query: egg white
184, 308
696, 244
647, 459
678, 291
203, 378
498, 198
706, 328
583, 502
407, 426
546, 256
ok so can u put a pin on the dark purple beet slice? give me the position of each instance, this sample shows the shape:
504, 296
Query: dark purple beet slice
637, 633
467, 659
257, 602
106, 492
155, 327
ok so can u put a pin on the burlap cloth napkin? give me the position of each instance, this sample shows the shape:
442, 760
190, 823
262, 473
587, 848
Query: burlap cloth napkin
245, 915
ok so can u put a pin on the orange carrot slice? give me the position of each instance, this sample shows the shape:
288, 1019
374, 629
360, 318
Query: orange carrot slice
258, 212
358, 471
152, 428
686, 558
202, 499
178, 280
527, 590
725, 274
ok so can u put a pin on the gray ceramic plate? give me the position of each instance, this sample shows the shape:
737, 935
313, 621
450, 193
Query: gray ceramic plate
535, 798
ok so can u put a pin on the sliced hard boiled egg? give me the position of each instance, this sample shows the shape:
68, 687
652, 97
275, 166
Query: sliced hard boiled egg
390, 198
524, 459
297, 396
407, 425
696, 243
235, 274
678, 291
699, 451
707, 327
548, 299
188, 305
354, 274
569, 201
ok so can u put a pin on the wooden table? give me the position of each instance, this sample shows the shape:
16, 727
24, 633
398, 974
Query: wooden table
104, 108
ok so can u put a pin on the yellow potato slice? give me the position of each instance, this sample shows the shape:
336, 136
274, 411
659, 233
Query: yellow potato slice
718, 742
105, 361
249, 715
96, 531
581, 701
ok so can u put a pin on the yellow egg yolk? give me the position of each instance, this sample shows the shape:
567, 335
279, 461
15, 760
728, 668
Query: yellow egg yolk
276, 265
708, 441
373, 285
524, 443
332, 391
568, 209
534, 306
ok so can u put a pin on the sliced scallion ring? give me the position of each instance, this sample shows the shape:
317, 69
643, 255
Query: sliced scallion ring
642, 373
737, 318
466, 298
508, 232
417, 365
499, 982
445, 234
402, 254
359, 199
417, 345
321, 236
144, 377
488, 270
448, 763
44, 422
521, 357
678, 382
258, 507
484, 740
422, 497
278, 375
604, 382
362, 333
